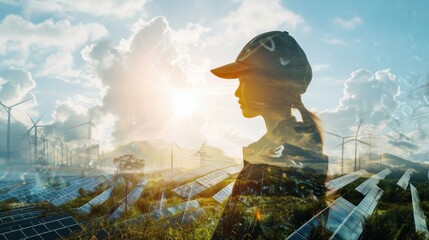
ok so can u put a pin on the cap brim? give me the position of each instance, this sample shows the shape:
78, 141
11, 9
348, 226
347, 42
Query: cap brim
230, 71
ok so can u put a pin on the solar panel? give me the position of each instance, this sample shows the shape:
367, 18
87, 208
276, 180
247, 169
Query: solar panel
13, 218
405, 179
48, 228
100, 199
191, 189
223, 194
352, 226
340, 182
366, 186
195, 173
419, 217
71, 193
132, 197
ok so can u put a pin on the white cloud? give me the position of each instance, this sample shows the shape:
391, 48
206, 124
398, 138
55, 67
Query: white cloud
115, 8
141, 73
333, 41
254, 17
348, 24
320, 66
395, 119
15, 84
19, 34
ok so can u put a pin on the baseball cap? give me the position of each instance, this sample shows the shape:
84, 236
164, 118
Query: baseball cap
276, 54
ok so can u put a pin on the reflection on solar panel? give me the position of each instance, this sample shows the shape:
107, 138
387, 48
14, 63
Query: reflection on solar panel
100, 199
194, 173
419, 217
132, 197
304, 232
53, 227
338, 183
352, 227
338, 212
366, 186
342, 218
192, 207
188, 217
223, 194
174, 210
71, 193
193, 188
405, 179
14, 218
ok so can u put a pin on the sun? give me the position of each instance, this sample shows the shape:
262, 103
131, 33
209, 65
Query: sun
185, 103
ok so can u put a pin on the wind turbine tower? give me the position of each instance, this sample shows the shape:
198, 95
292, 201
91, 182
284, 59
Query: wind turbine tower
9, 115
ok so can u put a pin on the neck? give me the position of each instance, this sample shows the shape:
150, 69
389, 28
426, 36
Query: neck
272, 119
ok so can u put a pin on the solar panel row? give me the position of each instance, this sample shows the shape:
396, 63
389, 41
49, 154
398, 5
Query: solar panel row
132, 197
100, 199
223, 194
366, 186
405, 179
340, 182
52, 227
201, 184
194, 173
419, 217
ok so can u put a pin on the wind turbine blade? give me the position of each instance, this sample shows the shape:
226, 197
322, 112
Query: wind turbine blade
76, 126
339, 144
39, 118
31, 119
333, 134
1, 103
363, 142
179, 148
13, 118
19, 102
357, 131
351, 140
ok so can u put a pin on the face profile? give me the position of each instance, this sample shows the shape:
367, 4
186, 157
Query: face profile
273, 72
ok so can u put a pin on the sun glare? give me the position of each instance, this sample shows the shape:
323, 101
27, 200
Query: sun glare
185, 103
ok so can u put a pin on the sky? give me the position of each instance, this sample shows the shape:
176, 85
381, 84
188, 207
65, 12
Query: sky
140, 70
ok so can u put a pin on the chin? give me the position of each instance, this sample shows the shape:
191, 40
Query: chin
247, 114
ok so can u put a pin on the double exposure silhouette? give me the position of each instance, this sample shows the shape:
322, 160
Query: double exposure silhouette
282, 182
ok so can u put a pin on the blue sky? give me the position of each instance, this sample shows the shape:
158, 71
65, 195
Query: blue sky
126, 61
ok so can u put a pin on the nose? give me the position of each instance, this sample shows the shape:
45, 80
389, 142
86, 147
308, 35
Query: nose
238, 91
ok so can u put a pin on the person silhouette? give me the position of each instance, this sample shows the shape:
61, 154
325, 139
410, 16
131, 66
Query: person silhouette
285, 167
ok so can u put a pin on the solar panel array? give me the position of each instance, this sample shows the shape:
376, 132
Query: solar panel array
68, 194
223, 194
191, 206
352, 227
340, 182
52, 227
405, 179
17, 191
13, 217
201, 184
100, 199
132, 197
171, 211
342, 218
419, 217
194, 173
366, 186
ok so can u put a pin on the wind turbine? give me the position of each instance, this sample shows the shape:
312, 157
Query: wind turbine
90, 124
35, 126
9, 115
202, 154
342, 148
355, 139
